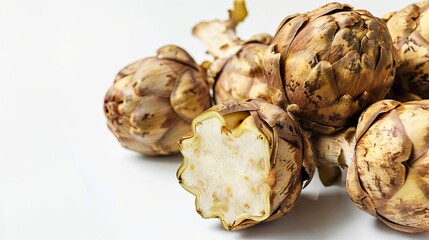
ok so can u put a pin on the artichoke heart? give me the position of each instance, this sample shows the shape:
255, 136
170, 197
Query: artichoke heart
228, 168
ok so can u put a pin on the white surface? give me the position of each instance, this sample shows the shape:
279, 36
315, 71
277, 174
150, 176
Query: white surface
62, 173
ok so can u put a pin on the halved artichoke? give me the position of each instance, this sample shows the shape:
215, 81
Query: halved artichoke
329, 64
389, 174
245, 162
153, 101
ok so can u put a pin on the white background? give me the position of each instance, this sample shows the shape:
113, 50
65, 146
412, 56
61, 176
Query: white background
62, 173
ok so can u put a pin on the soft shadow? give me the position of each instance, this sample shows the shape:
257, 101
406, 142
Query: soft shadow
384, 228
173, 157
169, 160
309, 216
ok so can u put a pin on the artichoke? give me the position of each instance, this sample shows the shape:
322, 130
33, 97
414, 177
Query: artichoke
245, 162
329, 64
237, 70
153, 101
410, 34
389, 174
242, 76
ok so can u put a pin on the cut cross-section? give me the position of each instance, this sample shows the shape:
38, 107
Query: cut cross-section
226, 166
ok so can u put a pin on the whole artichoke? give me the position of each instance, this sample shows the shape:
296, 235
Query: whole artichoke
237, 70
329, 64
241, 76
410, 34
246, 163
389, 174
153, 101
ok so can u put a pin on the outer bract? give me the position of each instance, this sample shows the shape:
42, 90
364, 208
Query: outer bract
410, 33
389, 175
245, 163
153, 101
219, 36
330, 64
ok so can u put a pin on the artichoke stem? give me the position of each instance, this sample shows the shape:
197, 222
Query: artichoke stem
238, 14
335, 150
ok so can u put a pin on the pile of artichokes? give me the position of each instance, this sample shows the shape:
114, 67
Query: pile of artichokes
332, 88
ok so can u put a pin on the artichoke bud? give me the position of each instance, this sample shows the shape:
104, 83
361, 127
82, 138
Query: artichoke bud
331, 63
388, 176
153, 101
246, 162
410, 34
237, 70
241, 76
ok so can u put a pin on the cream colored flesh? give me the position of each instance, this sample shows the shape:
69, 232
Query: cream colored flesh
226, 166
